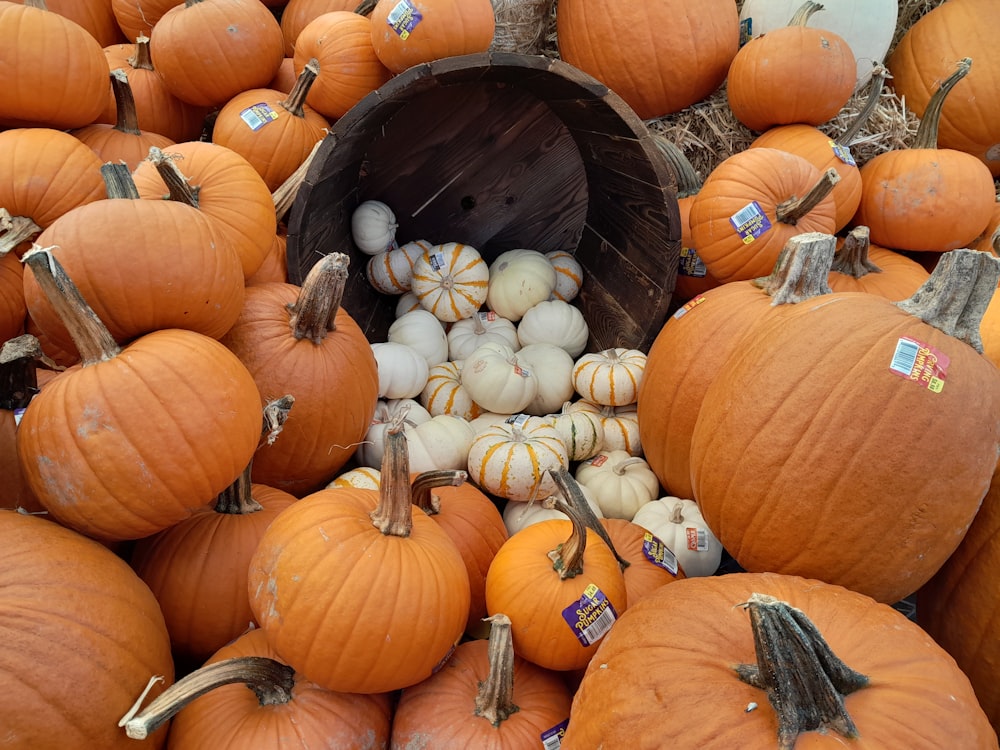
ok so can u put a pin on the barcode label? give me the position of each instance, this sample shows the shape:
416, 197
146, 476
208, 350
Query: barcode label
403, 18
258, 115
697, 539
487, 316
843, 153
591, 617
658, 553
905, 356
552, 738
920, 363
436, 260
691, 264
518, 420
750, 222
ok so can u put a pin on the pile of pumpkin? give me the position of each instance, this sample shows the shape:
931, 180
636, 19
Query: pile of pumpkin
211, 466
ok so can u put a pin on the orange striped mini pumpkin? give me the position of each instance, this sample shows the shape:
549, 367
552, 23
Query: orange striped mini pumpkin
569, 274
391, 271
445, 394
610, 377
451, 280
512, 459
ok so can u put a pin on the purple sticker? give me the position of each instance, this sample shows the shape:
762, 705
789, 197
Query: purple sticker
750, 222
590, 617
404, 18
659, 553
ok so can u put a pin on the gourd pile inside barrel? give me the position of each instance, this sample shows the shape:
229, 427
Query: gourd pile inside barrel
229, 519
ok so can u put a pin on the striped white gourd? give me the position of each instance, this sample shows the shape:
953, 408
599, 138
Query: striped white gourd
445, 394
512, 460
621, 483
620, 425
582, 431
569, 274
610, 377
468, 334
451, 281
361, 477
391, 272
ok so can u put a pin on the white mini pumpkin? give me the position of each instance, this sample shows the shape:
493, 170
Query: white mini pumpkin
467, 335
488, 419
424, 332
553, 367
451, 281
402, 370
569, 274
610, 377
621, 483
369, 452
373, 227
445, 394
390, 272
442, 442
512, 460
497, 381
517, 516
554, 322
680, 525
582, 431
407, 302
519, 280
620, 425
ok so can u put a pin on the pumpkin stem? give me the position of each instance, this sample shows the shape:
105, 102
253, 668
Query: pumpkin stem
141, 59
571, 490
314, 313
118, 182
14, 230
852, 257
90, 336
804, 680
567, 558
677, 513
126, 119
284, 196
394, 513
297, 96
19, 371
178, 187
271, 680
793, 209
804, 13
366, 7
621, 468
422, 484
879, 75
955, 296
275, 416
927, 130
688, 180
495, 699
802, 270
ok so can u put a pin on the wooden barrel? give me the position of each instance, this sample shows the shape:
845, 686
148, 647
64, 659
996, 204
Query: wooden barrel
501, 151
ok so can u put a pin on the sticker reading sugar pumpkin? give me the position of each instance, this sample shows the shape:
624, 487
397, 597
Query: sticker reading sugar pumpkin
750, 222
658, 553
689, 263
590, 617
919, 363
404, 18
552, 738
258, 115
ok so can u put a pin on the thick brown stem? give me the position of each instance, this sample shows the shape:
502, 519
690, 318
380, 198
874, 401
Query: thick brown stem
366, 7
19, 371
178, 187
314, 313
275, 416
927, 131
567, 558
852, 257
126, 120
495, 699
394, 513
284, 196
237, 499
956, 295
271, 680
141, 59
118, 182
14, 230
422, 484
90, 336
804, 680
688, 180
297, 96
802, 270
879, 75
571, 490
793, 209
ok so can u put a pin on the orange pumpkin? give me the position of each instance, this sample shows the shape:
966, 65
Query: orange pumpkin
763, 661
298, 13
860, 266
138, 17
74, 614
649, 562
95, 16
134, 439
656, 72
408, 32
810, 449
793, 74
13, 309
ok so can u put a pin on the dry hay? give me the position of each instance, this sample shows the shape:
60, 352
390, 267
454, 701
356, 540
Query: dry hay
708, 132
522, 25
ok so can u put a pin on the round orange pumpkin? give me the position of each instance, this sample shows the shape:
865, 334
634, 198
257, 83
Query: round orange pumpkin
297, 13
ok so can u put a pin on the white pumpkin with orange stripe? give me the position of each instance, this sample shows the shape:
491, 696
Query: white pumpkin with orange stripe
569, 274
512, 459
445, 394
619, 423
451, 280
610, 377
361, 477
391, 272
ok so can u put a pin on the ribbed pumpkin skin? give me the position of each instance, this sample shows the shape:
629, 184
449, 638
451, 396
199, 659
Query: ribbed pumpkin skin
126, 447
335, 385
348, 67
351, 608
298, 13
114, 145
770, 177
660, 57
197, 569
12, 306
925, 54
82, 636
231, 715
64, 174
958, 607
810, 457
643, 575
93, 15
899, 278
142, 265
39, 47
230, 190
212, 50
440, 711
446, 29
667, 667
137, 17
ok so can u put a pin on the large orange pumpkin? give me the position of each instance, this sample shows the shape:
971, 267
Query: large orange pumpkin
138, 17
824, 446
82, 635
660, 56
297, 13
13, 310
730, 661
95, 16
134, 439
